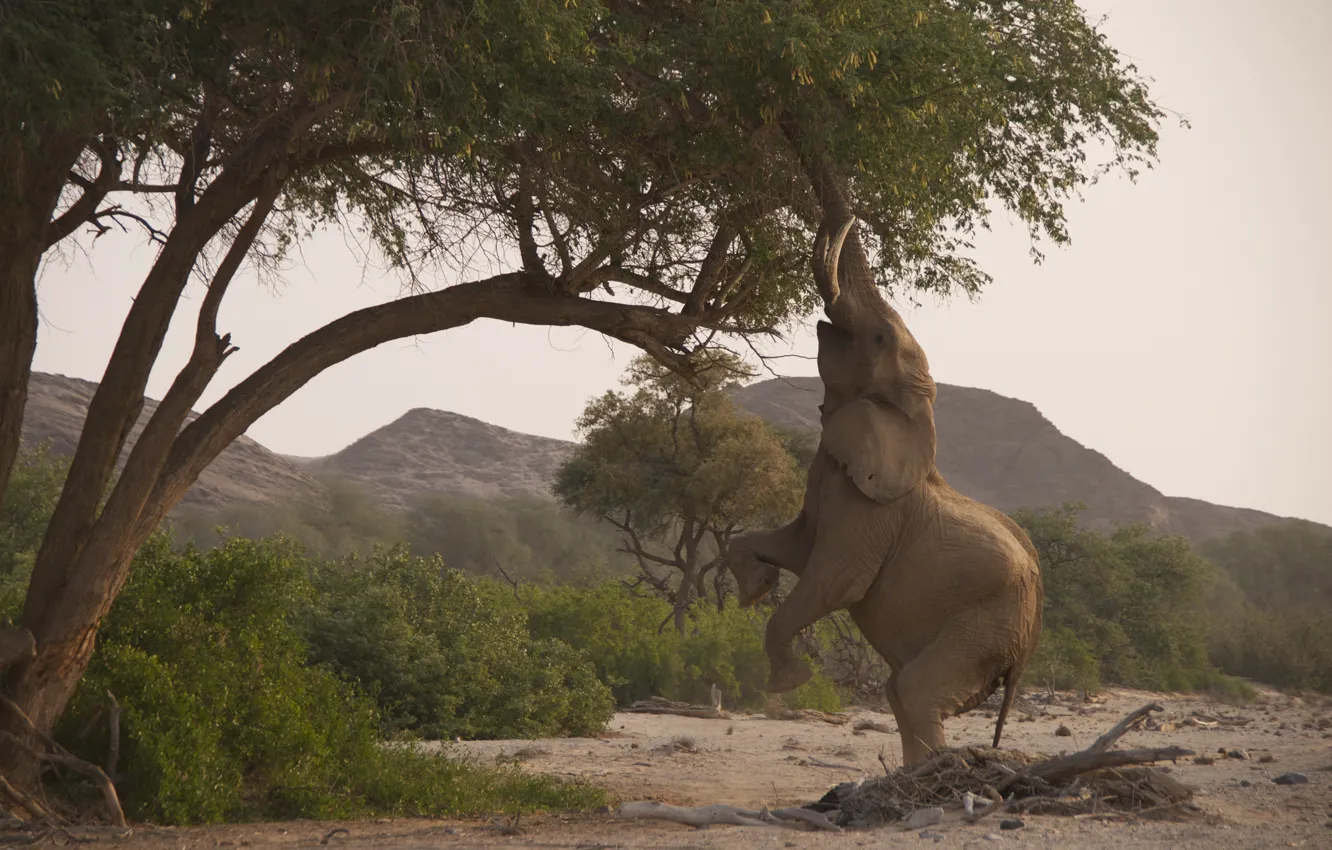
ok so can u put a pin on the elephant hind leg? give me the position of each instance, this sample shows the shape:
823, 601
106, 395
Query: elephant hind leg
899, 713
939, 682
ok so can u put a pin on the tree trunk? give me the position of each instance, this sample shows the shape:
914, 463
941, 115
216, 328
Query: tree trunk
29, 191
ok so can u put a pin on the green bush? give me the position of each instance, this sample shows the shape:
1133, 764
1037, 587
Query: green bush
34, 487
639, 654
448, 655
1063, 661
224, 719
1129, 600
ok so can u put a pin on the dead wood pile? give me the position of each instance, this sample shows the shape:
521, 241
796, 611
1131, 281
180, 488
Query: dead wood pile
981, 781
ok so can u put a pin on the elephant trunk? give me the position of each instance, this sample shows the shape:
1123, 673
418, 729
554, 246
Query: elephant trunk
841, 267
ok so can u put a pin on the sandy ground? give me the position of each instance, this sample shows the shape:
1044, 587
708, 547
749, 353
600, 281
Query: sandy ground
753, 761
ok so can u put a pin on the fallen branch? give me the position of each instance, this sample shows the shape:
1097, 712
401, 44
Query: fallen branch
59, 755
660, 705
1121, 728
1063, 769
723, 815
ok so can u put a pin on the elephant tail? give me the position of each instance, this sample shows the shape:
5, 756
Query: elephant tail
1011, 677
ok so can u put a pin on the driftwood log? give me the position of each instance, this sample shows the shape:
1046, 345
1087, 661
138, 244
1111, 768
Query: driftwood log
661, 705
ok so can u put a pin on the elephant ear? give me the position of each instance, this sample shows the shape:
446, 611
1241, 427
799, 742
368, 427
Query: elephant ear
886, 452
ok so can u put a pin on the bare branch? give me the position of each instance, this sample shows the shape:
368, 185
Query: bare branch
84, 209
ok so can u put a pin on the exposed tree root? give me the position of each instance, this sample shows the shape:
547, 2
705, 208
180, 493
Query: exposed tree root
56, 754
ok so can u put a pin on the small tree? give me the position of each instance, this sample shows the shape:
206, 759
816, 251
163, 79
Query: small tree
679, 471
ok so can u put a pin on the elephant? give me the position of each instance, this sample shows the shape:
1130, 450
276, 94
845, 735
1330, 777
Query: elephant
946, 589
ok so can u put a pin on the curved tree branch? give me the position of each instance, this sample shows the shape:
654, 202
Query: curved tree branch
515, 297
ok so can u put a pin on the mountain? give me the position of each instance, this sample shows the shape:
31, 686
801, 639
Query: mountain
244, 472
997, 449
427, 451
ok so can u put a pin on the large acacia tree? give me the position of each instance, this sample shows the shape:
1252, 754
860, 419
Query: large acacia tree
642, 169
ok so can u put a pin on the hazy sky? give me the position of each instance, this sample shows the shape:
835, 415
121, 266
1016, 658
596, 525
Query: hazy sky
1184, 333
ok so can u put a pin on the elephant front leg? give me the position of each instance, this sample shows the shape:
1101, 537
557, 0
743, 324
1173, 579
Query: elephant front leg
829, 583
756, 558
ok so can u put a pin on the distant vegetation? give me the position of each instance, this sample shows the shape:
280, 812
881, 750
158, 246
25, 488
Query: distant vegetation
1272, 609
527, 538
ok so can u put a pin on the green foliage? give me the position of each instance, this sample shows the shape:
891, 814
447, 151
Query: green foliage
1063, 661
935, 109
34, 487
670, 117
447, 655
625, 637
1128, 600
800, 443
224, 718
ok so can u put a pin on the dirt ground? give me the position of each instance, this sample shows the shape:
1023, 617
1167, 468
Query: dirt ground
753, 761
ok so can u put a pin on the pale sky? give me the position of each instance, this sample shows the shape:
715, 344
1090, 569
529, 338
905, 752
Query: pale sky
1183, 334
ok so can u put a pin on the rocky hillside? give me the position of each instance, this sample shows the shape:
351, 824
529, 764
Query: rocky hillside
997, 449
1002, 451
244, 472
426, 451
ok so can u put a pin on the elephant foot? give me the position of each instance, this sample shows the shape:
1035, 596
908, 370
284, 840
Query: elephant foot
787, 677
